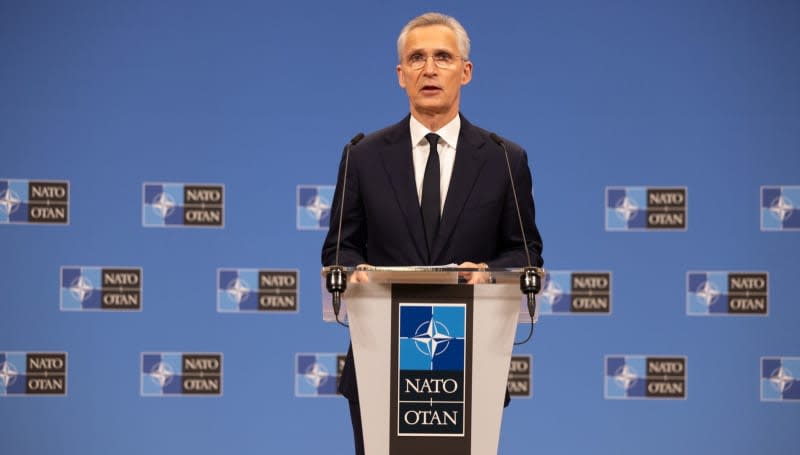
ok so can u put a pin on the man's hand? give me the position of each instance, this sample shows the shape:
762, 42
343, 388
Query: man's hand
360, 276
474, 277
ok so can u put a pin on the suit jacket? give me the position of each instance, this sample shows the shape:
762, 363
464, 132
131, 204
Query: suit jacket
382, 221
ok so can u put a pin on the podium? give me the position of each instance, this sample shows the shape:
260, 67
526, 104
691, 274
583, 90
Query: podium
432, 357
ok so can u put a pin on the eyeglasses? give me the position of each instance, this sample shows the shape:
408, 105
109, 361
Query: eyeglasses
442, 60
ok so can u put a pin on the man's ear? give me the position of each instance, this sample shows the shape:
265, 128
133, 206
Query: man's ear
466, 75
400, 78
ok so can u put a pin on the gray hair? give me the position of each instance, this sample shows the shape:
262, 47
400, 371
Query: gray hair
435, 19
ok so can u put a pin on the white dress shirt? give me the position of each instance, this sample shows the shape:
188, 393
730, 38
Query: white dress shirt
448, 140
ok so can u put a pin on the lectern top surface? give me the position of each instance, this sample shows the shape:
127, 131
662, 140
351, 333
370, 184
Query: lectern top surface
449, 268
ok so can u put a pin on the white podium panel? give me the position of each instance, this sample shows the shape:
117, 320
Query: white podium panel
383, 348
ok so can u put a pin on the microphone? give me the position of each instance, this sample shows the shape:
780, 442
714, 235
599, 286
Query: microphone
336, 278
529, 281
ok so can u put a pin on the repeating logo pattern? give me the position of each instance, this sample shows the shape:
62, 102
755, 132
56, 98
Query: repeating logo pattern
314, 207
780, 379
431, 359
568, 292
779, 208
101, 288
183, 205
431, 354
180, 374
317, 374
645, 377
713, 293
257, 290
34, 202
520, 376
33, 373
639, 208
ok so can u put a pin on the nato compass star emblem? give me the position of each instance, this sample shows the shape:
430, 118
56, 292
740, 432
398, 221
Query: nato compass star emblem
163, 205
162, 374
551, 293
317, 206
8, 373
432, 338
707, 293
316, 374
81, 288
238, 290
781, 208
313, 205
9, 201
626, 377
626, 209
781, 379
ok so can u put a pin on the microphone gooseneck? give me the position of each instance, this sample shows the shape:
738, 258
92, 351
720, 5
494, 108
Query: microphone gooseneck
336, 278
529, 281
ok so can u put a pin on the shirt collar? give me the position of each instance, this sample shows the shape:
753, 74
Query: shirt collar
447, 133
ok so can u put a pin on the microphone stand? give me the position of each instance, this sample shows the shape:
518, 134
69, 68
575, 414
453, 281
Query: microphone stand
529, 280
336, 278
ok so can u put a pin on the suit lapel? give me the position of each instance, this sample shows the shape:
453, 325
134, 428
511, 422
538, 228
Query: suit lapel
399, 167
467, 166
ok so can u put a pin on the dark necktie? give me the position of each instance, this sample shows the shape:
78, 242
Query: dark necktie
430, 193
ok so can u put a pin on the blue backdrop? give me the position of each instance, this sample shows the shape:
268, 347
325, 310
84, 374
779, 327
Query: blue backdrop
261, 96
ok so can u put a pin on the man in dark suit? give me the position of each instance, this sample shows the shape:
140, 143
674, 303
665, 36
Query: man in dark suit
432, 189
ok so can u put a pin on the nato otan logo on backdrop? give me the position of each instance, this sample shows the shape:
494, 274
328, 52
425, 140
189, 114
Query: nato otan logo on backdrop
715, 293
181, 374
34, 202
520, 376
780, 379
640, 208
645, 377
570, 292
101, 288
183, 205
257, 290
779, 208
432, 358
317, 374
314, 207
33, 373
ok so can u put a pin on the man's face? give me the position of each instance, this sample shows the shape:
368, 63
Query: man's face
432, 90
